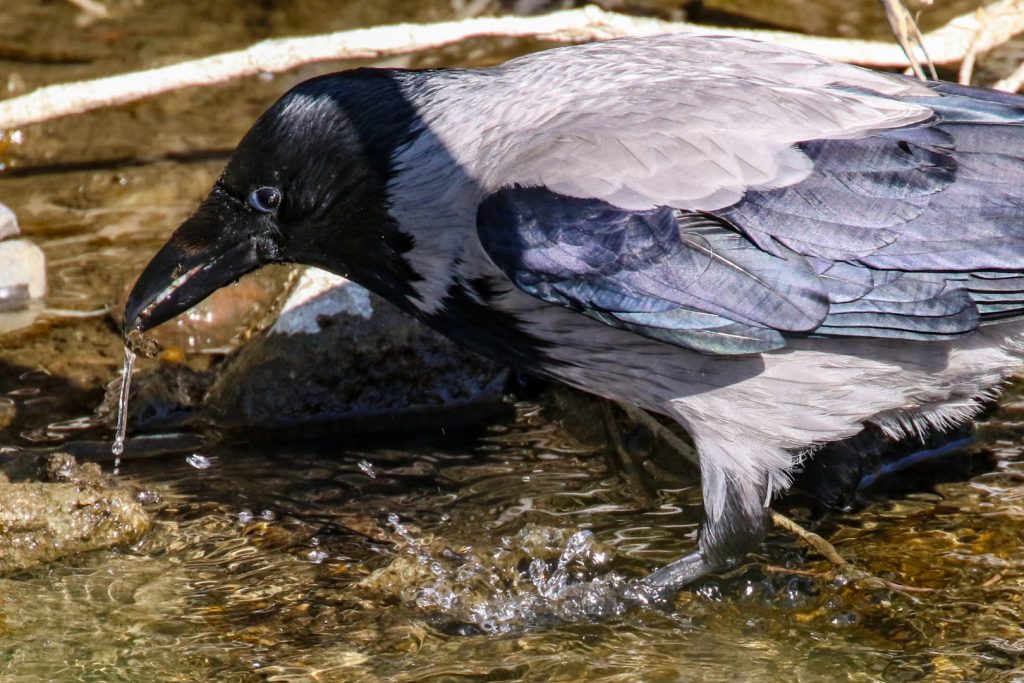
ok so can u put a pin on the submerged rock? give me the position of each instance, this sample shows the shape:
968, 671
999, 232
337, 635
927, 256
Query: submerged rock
51, 507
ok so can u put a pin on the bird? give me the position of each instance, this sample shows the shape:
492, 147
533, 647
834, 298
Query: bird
770, 248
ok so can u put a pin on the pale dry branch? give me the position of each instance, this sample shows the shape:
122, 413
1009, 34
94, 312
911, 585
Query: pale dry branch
945, 45
1013, 82
823, 547
90, 7
908, 35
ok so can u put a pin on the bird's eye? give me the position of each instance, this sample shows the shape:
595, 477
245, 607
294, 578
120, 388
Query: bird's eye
265, 199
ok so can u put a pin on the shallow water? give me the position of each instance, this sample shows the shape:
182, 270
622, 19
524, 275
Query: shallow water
492, 554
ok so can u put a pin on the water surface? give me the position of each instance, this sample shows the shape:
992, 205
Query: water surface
488, 554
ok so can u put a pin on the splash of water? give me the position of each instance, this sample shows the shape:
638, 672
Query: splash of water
565, 579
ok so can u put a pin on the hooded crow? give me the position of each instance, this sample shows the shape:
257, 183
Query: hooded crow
771, 248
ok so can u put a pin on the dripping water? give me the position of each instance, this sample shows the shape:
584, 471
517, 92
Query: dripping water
134, 343
117, 448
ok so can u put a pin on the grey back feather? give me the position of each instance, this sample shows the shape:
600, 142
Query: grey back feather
687, 121
839, 202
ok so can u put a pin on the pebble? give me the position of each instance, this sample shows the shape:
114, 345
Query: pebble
22, 265
8, 223
22, 270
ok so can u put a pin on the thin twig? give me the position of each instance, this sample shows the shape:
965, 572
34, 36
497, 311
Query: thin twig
823, 547
1013, 82
828, 551
967, 65
852, 574
660, 431
948, 44
627, 466
908, 35
991, 581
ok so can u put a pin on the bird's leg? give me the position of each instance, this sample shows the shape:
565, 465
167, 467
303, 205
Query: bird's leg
735, 522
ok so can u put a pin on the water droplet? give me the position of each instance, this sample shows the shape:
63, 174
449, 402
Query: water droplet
316, 556
367, 468
148, 497
200, 462
245, 516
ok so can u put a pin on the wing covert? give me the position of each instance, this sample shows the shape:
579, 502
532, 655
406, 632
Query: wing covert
680, 277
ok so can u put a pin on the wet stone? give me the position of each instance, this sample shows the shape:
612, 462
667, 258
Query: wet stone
22, 275
51, 507
336, 351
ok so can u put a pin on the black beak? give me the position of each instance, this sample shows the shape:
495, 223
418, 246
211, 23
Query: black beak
200, 258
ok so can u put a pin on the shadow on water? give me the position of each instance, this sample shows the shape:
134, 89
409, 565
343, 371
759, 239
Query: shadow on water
32, 398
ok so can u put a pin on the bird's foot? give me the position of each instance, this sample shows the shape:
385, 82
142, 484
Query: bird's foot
658, 587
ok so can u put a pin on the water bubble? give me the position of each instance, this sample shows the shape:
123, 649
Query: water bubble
541, 575
148, 497
245, 516
316, 556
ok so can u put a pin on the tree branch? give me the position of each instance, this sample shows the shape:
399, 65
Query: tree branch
950, 43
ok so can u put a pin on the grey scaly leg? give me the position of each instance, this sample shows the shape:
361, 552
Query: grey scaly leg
735, 523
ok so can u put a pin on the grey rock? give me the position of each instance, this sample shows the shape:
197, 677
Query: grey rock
22, 277
337, 351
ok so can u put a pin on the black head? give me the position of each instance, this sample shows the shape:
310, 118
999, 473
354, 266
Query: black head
307, 184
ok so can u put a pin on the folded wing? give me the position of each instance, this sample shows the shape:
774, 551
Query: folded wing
913, 233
